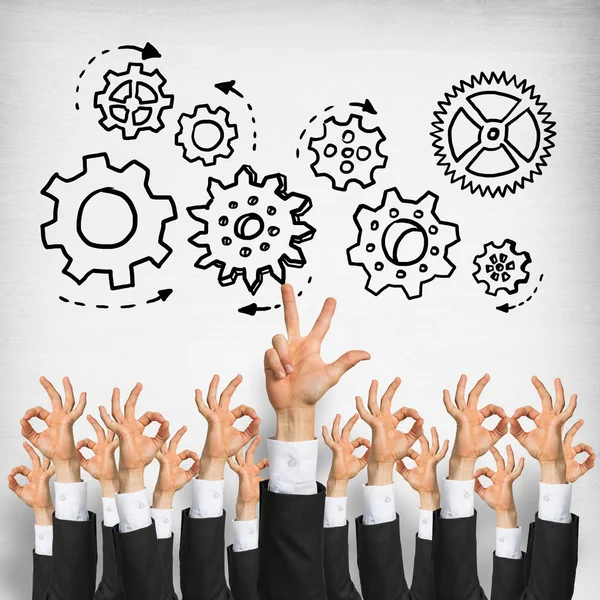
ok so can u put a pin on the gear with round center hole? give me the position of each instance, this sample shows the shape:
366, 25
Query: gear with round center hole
251, 228
107, 220
402, 243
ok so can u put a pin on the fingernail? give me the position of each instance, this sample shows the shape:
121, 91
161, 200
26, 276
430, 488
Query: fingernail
288, 369
280, 375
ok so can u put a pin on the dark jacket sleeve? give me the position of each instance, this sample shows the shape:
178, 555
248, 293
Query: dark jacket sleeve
165, 545
243, 573
42, 575
291, 545
74, 559
508, 578
202, 558
140, 565
422, 587
110, 584
380, 561
337, 568
552, 559
455, 558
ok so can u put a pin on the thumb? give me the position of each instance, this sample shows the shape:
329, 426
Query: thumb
345, 362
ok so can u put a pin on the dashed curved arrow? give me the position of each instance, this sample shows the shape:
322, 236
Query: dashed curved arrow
229, 87
162, 295
252, 309
506, 308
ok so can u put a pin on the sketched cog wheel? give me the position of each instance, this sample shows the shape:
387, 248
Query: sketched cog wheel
206, 134
251, 228
502, 267
492, 134
402, 243
348, 152
102, 184
133, 101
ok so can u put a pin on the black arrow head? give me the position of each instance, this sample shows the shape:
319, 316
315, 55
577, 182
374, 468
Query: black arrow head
249, 310
225, 86
504, 308
164, 294
149, 51
369, 108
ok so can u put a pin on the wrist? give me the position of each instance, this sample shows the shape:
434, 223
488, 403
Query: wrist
131, 480
554, 472
296, 424
380, 474
68, 470
162, 500
212, 469
336, 488
110, 488
429, 500
506, 519
245, 511
461, 468
43, 516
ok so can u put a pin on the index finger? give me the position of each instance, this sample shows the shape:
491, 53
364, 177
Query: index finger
323, 322
69, 395
176, 439
477, 390
100, 433
116, 405
35, 459
132, 401
290, 311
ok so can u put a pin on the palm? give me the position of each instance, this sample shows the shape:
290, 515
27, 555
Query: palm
222, 438
171, 476
36, 493
422, 478
499, 495
345, 465
389, 444
546, 440
472, 439
102, 466
249, 490
137, 450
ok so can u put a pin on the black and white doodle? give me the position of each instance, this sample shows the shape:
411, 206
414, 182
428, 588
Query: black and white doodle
251, 228
492, 134
206, 134
134, 236
161, 296
133, 101
402, 243
506, 307
502, 267
228, 87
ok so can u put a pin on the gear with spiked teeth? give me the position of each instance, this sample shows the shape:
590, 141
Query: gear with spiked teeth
492, 134
133, 101
99, 181
501, 267
402, 243
251, 228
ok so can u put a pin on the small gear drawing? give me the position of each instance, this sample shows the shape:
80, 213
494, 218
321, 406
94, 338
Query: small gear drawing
402, 243
347, 152
206, 134
492, 134
251, 228
501, 267
133, 101
100, 182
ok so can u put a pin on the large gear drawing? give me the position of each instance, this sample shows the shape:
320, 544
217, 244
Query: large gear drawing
347, 152
492, 134
501, 267
99, 181
206, 134
251, 228
402, 243
133, 101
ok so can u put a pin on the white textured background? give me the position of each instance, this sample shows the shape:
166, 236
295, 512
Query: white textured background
291, 60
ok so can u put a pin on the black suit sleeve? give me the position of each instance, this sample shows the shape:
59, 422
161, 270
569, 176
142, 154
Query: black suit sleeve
110, 584
42, 575
422, 587
552, 559
508, 578
74, 559
243, 573
140, 565
165, 545
291, 545
455, 558
380, 561
202, 558
337, 569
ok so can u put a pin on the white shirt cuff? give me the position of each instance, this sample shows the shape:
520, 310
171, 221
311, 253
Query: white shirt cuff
207, 498
71, 501
380, 504
458, 499
425, 524
43, 539
134, 511
335, 511
555, 502
293, 467
245, 535
162, 521
110, 515
508, 543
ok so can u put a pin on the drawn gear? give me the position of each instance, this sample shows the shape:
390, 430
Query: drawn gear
251, 228
194, 147
133, 101
493, 134
150, 214
384, 230
347, 152
502, 267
